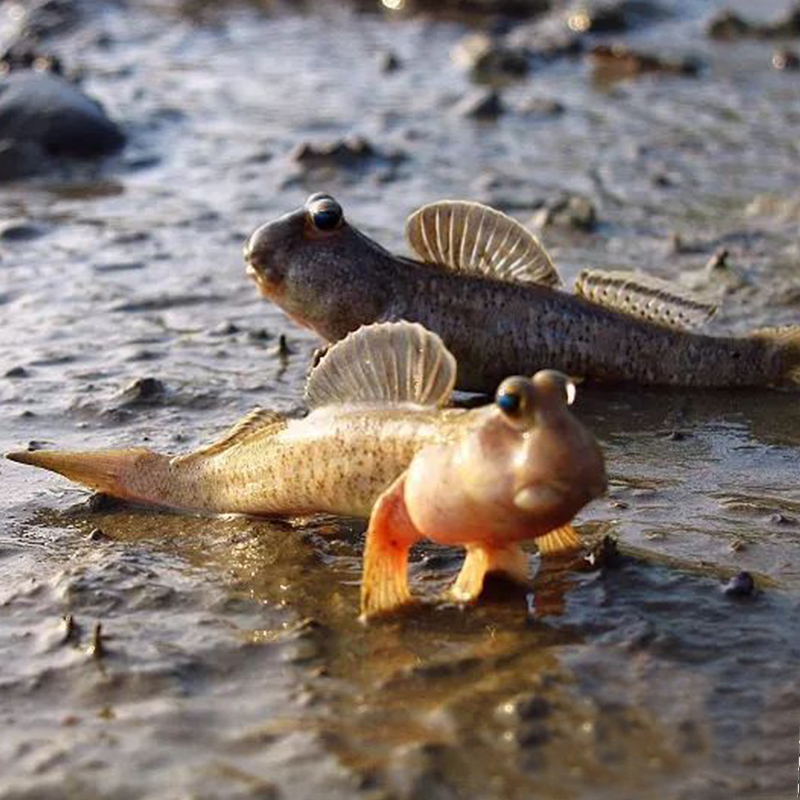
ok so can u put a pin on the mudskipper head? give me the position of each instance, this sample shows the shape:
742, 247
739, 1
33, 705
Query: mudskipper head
523, 402
321, 271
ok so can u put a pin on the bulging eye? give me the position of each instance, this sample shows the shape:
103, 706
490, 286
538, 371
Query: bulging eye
514, 398
324, 212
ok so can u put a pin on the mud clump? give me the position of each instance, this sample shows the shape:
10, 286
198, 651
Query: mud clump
488, 60
481, 104
614, 62
569, 211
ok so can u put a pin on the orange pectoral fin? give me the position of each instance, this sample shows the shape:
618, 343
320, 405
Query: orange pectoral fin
559, 541
510, 561
384, 584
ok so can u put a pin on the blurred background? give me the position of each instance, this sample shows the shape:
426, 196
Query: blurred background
140, 143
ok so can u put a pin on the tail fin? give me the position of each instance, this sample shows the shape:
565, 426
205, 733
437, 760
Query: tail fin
786, 341
115, 472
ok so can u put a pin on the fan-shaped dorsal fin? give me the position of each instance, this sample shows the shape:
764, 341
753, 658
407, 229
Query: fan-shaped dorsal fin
469, 237
645, 297
388, 362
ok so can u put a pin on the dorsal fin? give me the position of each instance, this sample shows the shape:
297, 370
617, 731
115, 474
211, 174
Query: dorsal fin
470, 237
259, 421
389, 362
645, 297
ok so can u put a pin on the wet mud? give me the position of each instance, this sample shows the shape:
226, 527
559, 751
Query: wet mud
155, 655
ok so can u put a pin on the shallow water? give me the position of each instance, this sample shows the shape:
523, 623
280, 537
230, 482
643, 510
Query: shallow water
231, 663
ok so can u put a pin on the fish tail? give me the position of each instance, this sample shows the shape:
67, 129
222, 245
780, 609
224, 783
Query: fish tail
126, 474
384, 583
786, 343
481, 561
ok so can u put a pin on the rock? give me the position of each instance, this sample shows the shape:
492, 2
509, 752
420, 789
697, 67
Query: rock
348, 153
509, 8
490, 61
568, 211
613, 62
389, 61
613, 17
143, 391
483, 104
786, 60
728, 25
741, 585
43, 115
20, 231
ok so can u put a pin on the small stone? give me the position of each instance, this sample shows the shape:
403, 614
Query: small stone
568, 211
16, 372
97, 535
484, 104
737, 546
225, 329
97, 648
741, 585
20, 231
489, 61
728, 25
143, 390
389, 61
719, 260
786, 60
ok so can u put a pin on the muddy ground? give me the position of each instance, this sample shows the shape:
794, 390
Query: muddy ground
229, 662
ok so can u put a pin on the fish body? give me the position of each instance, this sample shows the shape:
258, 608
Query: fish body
337, 459
520, 473
492, 297
484, 478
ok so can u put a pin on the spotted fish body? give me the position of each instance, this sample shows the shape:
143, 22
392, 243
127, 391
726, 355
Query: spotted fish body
488, 288
356, 440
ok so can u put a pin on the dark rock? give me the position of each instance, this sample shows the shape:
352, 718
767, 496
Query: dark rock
20, 231
786, 60
44, 116
143, 391
16, 372
568, 211
508, 8
348, 153
719, 261
389, 62
741, 585
613, 17
490, 61
613, 62
481, 104
728, 25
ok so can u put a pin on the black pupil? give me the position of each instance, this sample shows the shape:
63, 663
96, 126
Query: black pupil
509, 402
327, 218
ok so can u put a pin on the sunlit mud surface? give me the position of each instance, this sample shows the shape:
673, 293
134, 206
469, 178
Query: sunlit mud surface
230, 662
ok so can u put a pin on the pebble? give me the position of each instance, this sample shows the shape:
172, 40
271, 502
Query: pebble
568, 211
485, 104
490, 61
143, 390
741, 585
20, 231
786, 60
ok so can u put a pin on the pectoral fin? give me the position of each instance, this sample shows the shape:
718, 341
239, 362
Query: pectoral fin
482, 560
559, 541
469, 237
384, 582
